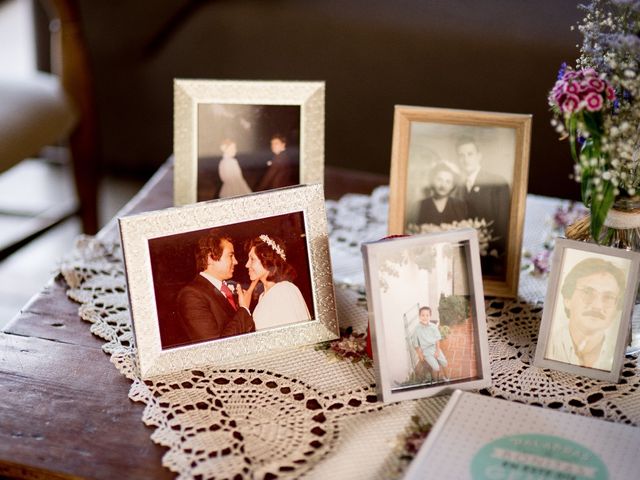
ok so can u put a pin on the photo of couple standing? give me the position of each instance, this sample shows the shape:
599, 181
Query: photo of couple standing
247, 148
460, 176
243, 278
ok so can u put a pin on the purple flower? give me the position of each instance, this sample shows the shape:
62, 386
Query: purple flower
563, 68
594, 101
541, 262
566, 215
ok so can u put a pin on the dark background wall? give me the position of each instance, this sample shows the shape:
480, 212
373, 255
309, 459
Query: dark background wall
498, 55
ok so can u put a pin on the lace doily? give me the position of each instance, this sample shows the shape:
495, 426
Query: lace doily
299, 414
292, 414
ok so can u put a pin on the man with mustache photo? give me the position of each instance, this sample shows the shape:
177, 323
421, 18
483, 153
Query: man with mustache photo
592, 297
206, 306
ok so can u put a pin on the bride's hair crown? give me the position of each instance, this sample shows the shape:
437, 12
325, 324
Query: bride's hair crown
274, 246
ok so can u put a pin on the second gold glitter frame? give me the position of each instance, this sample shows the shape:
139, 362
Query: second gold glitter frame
178, 259
235, 137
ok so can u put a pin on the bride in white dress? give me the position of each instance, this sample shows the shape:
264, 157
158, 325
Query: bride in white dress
281, 303
233, 182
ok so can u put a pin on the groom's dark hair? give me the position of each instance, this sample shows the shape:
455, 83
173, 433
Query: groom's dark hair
209, 245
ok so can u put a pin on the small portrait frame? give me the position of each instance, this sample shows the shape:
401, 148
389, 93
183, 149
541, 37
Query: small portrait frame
235, 137
183, 318
418, 353
590, 297
461, 168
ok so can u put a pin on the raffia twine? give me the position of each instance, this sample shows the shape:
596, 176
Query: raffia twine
617, 219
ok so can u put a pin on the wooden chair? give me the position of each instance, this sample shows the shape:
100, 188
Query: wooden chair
48, 108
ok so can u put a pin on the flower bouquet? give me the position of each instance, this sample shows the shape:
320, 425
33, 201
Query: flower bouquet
596, 105
484, 229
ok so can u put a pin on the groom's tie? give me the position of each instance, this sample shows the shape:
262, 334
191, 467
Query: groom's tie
227, 293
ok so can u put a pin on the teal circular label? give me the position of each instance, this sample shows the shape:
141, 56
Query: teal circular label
529, 457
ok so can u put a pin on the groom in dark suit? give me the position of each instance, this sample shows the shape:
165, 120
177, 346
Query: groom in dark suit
488, 197
283, 170
206, 306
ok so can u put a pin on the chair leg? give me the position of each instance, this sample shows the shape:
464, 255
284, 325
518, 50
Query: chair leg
85, 176
71, 62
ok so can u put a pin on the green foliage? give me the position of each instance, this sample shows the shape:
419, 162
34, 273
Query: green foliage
453, 309
445, 331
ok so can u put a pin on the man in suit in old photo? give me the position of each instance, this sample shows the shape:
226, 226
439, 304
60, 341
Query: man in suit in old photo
487, 196
206, 306
283, 169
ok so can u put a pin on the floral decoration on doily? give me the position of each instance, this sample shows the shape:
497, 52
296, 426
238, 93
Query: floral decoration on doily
413, 437
539, 263
350, 346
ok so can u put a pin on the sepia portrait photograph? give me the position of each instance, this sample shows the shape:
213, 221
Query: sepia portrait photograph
211, 282
236, 137
426, 297
587, 311
246, 148
455, 169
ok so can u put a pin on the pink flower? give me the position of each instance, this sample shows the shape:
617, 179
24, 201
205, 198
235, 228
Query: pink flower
571, 104
584, 86
597, 84
611, 93
594, 101
572, 87
559, 98
578, 90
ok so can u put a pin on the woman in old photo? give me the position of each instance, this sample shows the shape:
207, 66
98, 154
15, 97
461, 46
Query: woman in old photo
441, 206
233, 182
281, 303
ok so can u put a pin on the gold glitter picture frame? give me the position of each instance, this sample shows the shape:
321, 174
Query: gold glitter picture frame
180, 316
235, 137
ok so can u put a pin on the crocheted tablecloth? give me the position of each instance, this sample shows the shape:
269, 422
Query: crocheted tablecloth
305, 414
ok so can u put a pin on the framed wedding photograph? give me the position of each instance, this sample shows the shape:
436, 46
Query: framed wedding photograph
587, 310
426, 314
216, 281
236, 137
457, 169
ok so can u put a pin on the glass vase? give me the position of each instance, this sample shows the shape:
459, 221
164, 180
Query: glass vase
622, 230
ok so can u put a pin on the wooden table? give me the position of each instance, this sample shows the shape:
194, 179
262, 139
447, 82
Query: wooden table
64, 411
